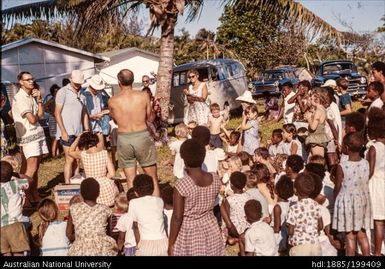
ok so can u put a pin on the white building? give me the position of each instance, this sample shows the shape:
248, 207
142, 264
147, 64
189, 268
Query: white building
139, 61
48, 62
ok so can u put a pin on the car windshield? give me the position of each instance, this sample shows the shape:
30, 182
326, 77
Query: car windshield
338, 68
272, 76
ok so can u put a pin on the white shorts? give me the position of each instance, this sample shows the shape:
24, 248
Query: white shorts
35, 149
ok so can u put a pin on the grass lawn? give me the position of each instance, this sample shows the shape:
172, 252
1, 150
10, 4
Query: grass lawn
51, 169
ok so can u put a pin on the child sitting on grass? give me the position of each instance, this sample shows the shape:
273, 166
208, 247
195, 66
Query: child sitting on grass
52, 232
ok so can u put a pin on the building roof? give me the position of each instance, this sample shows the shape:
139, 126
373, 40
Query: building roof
28, 40
120, 55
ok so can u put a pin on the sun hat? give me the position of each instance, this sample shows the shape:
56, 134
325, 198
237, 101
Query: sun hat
330, 83
77, 76
246, 97
96, 82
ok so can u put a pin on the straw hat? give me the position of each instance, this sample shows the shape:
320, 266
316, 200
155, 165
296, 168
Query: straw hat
330, 83
77, 76
96, 82
246, 97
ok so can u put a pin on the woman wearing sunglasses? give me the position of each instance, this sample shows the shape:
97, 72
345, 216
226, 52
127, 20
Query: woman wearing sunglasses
196, 95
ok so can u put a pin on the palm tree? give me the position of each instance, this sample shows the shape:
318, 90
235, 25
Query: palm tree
163, 14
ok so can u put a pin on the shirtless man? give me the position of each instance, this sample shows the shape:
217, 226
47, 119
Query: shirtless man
130, 110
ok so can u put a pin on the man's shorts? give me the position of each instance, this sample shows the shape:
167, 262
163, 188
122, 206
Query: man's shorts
35, 149
71, 140
136, 146
14, 238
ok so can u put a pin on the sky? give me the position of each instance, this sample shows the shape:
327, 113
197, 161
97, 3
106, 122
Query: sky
362, 16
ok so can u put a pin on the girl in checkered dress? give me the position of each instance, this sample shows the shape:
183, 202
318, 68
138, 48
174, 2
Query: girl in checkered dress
194, 228
96, 164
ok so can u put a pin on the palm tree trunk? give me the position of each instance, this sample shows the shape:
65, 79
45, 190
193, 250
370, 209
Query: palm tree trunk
164, 76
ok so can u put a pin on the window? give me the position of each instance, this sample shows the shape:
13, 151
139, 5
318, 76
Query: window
182, 78
176, 80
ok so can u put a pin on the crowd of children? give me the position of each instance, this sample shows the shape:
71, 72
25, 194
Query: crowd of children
313, 191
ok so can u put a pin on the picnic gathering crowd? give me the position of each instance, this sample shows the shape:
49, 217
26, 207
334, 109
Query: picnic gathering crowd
315, 188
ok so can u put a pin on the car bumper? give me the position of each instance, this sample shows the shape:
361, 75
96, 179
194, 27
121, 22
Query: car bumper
358, 90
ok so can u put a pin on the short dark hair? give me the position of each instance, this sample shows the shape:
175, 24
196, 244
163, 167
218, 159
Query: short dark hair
317, 181
379, 66
356, 120
284, 187
21, 74
376, 123
304, 184
88, 140
201, 134
65, 81
288, 84
126, 77
167, 192
377, 87
263, 152
316, 168
90, 189
290, 128
277, 133
131, 194
236, 134
193, 153
6, 171
253, 210
245, 157
143, 185
295, 162
317, 159
343, 83
238, 180
53, 88
305, 83
354, 141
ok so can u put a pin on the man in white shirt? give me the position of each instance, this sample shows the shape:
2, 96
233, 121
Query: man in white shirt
375, 90
287, 111
27, 110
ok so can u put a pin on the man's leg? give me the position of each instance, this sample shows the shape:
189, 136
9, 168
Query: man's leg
130, 173
32, 164
152, 172
68, 170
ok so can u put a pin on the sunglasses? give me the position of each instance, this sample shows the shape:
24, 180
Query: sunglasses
144, 81
193, 76
28, 79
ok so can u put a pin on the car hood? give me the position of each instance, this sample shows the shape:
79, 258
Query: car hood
341, 75
262, 83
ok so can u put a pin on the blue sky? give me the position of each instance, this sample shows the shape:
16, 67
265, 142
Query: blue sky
363, 15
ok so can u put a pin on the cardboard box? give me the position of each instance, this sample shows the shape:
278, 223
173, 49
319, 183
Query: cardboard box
64, 193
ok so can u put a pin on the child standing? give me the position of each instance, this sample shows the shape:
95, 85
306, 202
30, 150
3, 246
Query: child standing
87, 224
250, 126
146, 213
14, 238
352, 209
304, 219
214, 124
285, 190
52, 232
317, 138
376, 156
232, 210
259, 238
181, 133
126, 236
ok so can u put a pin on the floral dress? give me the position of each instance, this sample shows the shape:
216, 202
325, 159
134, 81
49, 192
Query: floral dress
90, 224
251, 136
197, 111
352, 208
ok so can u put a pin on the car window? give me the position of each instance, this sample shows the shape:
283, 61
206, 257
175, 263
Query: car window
176, 79
337, 68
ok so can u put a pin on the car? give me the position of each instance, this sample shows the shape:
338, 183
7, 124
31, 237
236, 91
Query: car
342, 69
272, 79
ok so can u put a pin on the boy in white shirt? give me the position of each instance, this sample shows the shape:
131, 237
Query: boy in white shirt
259, 238
126, 232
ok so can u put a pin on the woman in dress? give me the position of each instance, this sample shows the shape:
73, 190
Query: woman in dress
194, 228
196, 95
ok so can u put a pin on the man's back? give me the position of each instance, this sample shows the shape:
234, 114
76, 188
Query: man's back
129, 109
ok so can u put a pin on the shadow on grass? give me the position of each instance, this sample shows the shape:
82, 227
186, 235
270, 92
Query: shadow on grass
46, 190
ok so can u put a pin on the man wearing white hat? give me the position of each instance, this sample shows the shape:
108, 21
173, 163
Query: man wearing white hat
96, 105
71, 117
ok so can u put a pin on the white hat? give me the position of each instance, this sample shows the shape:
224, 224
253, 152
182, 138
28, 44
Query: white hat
246, 97
77, 76
96, 82
330, 83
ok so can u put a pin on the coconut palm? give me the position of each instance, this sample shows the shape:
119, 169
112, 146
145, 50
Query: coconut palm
163, 14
